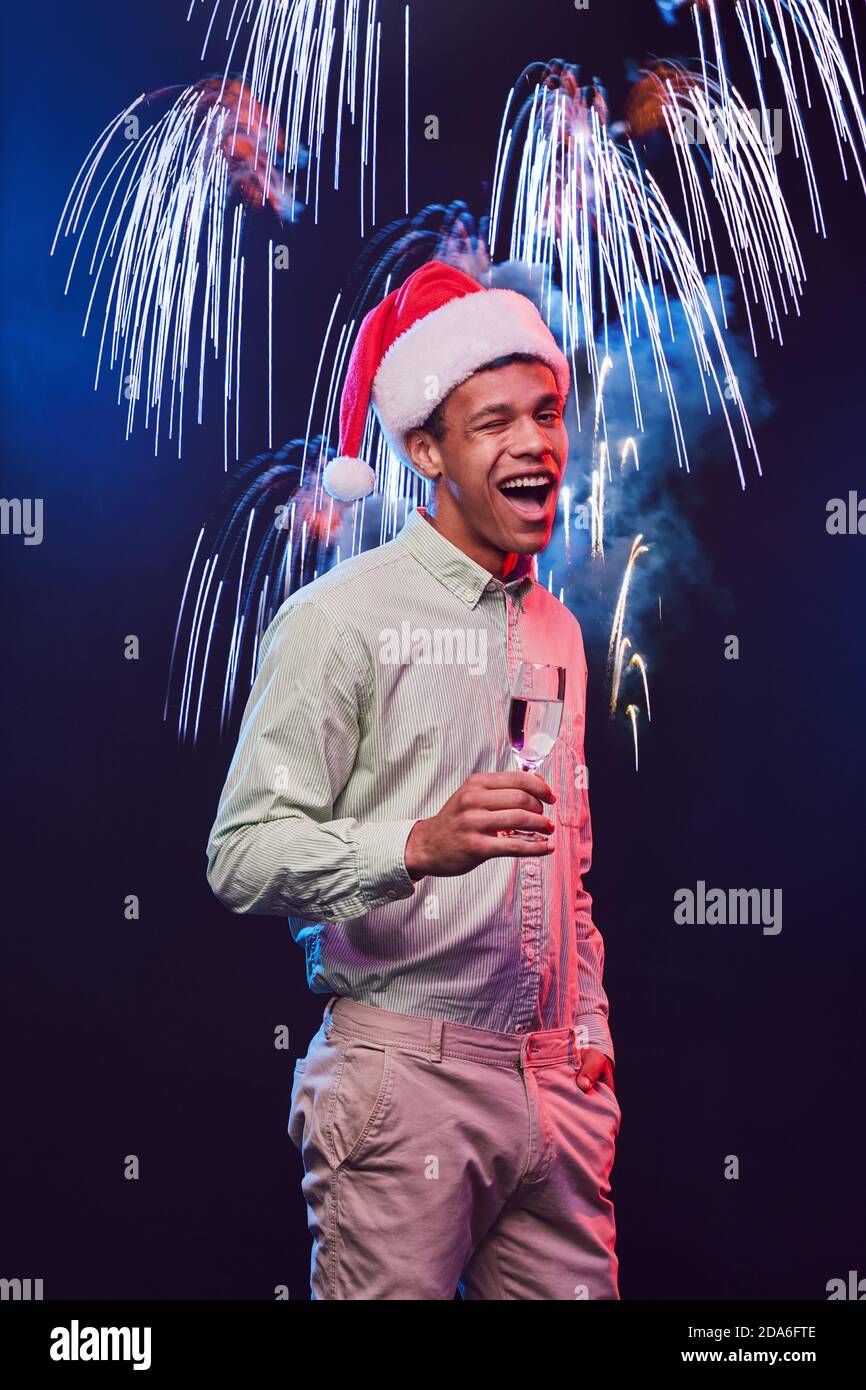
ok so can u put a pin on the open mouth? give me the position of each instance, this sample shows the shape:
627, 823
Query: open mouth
528, 494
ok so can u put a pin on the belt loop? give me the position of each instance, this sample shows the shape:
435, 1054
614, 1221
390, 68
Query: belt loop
327, 1019
436, 1039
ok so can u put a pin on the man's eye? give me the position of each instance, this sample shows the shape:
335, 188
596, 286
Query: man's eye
551, 415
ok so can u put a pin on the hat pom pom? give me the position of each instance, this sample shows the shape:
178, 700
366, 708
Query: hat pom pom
348, 479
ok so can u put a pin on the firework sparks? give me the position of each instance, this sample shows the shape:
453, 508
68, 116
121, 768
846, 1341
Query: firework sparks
168, 216
596, 513
294, 51
565, 503
743, 179
629, 450
167, 220
581, 202
784, 34
616, 634
632, 712
638, 661
621, 647
600, 465
269, 539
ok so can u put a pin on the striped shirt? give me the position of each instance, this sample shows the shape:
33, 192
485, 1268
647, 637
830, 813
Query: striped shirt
381, 686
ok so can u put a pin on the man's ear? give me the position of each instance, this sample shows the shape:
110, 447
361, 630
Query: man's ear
422, 450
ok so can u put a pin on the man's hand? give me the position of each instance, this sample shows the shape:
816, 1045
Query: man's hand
594, 1066
465, 832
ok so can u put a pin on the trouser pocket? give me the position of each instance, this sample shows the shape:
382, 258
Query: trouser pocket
295, 1128
340, 1096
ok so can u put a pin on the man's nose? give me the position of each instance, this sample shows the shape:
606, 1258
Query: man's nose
530, 438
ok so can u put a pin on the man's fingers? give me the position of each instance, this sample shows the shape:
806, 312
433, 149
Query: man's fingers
530, 782
502, 799
499, 845
511, 818
594, 1067
514, 845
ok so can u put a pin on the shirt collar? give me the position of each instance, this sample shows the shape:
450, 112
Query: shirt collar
453, 568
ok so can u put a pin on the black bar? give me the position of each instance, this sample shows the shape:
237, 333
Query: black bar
222, 1337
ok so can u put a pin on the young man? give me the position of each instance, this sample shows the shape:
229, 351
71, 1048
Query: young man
455, 1111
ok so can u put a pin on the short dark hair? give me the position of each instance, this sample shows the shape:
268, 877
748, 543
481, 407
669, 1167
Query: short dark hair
435, 422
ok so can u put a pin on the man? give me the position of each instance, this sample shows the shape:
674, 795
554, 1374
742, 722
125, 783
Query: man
455, 1111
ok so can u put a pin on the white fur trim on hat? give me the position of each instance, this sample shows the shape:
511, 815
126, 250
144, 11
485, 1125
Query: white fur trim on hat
347, 479
445, 347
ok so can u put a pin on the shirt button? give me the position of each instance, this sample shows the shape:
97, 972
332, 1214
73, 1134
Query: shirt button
531, 869
530, 954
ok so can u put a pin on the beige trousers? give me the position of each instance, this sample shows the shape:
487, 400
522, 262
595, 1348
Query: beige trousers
437, 1154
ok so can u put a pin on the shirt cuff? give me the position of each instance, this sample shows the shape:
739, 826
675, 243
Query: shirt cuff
382, 870
594, 1027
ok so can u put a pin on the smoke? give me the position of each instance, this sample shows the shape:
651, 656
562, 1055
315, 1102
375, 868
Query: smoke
659, 500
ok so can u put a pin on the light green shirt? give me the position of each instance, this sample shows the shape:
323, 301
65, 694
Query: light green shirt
381, 686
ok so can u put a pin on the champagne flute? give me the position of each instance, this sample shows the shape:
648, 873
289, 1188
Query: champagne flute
534, 716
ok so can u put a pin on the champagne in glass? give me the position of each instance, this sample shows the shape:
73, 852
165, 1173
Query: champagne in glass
534, 716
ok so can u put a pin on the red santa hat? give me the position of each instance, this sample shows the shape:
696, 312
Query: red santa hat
421, 341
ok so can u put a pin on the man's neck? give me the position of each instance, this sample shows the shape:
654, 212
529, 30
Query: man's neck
500, 563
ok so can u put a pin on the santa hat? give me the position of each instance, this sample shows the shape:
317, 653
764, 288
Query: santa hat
421, 341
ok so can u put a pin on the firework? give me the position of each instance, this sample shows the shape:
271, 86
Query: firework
599, 467
596, 512
167, 210
267, 538
790, 37
565, 504
742, 177
629, 450
166, 221
638, 661
632, 713
582, 204
294, 53
615, 647
619, 643
621, 647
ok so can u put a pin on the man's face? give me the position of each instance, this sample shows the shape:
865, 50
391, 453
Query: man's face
503, 455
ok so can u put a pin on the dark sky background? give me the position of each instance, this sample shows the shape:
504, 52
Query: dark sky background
155, 1037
